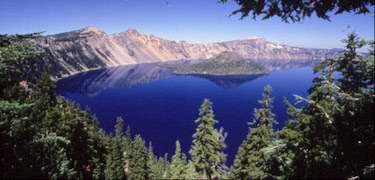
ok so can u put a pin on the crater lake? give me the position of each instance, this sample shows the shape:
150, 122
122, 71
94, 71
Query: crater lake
162, 107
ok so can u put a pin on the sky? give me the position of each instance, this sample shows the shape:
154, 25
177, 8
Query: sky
200, 21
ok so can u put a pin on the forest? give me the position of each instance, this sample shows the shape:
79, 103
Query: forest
330, 136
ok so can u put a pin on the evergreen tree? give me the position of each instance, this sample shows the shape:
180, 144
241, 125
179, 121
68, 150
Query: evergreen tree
153, 164
99, 144
50, 155
162, 168
191, 173
355, 114
116, 158
14, 50
128, 139
177, 166
166, 167
251, 162
220, 166
138, 166
184, 164
332, 137
205, 144
109, 168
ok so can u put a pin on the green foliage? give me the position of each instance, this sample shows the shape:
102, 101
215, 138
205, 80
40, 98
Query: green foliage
296, 10
191, 173
156, 166
99, 150
116, 159
17, 47
14, 50
138, 158
332, 137
251, 162
163, 167
50, 155
220, 166
206, 147
178, 166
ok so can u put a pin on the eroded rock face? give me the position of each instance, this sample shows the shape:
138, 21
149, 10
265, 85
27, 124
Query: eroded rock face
90, 48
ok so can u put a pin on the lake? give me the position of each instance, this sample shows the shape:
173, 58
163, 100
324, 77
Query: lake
162, 107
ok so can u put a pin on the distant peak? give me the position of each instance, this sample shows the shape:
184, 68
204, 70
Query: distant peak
91, 29
252, 38
132, 31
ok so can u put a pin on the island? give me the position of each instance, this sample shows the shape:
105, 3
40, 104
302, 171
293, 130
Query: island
225, 63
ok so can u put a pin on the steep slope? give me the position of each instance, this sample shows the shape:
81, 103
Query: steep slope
90, 48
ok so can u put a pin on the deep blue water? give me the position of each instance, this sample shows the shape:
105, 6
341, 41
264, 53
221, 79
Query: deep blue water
162, 107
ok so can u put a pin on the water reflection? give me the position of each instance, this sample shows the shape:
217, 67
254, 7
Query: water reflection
228, 81
93, 82
273, 65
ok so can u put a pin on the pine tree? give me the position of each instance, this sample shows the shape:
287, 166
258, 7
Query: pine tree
332, 137
205, 144
138, 166
44, 103
109, 168
355, 115
184, 164
99, 144
46, 90
162, 168
220, 166
152, 163
14, 51
166, 167
251, 162
50, 155
177, 166
191, 173
116, 158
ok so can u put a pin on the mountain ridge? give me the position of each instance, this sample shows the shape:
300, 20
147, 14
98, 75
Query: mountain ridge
90, 48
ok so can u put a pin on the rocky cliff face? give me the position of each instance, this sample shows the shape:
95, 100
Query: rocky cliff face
90, 48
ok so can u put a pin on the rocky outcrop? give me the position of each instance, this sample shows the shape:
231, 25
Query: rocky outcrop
90, 48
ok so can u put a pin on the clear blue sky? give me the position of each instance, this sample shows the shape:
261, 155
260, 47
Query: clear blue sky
201, 21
